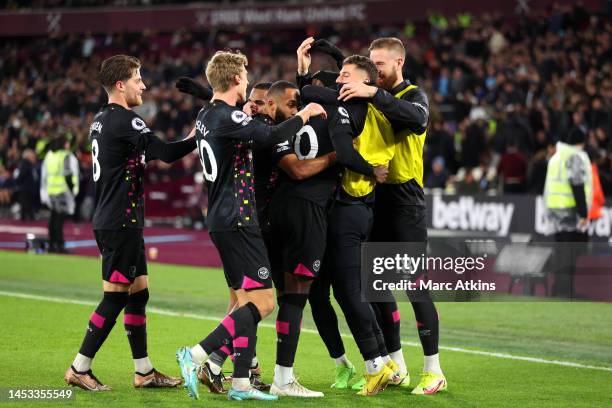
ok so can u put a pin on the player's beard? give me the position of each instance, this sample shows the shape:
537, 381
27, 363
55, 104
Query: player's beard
280, 116
387, 81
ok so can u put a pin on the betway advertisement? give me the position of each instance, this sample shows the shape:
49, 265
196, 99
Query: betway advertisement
501, 215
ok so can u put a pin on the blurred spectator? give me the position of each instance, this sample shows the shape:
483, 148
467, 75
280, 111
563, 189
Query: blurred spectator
512, 169
26, 184
439, 175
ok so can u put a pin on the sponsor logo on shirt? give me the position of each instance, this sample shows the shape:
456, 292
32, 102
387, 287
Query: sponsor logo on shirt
281, 147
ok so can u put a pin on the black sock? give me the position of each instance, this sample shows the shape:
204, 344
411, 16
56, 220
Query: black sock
388, 318
135, 323
427, 326
102, 321
229, 328
288, 326
245, 339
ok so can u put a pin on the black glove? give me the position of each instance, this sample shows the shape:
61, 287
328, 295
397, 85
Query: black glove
330, 49
192, 87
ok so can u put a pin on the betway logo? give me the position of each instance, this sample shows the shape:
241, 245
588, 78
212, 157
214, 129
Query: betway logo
467, 215
601, 227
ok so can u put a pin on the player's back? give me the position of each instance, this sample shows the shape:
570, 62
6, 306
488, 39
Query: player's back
227, 161
118, 138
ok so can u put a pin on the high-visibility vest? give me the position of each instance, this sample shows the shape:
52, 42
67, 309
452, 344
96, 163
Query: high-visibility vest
407, 163
55, 168
376, 145
558, 190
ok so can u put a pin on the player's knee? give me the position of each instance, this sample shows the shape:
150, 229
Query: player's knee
137, 301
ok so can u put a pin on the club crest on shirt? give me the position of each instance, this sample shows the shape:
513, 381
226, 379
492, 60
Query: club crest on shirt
263, 273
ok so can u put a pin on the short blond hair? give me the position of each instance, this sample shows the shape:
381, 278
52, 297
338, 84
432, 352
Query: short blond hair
222, 67
389, 43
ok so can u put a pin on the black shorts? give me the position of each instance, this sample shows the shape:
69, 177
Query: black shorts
299, 230
399, 223
123, 254
244, 256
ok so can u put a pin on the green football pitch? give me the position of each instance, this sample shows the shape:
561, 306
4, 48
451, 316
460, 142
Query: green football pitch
514, 354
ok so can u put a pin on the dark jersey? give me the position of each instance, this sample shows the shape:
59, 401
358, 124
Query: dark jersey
266, 172
119, 138
226, 137
311, 141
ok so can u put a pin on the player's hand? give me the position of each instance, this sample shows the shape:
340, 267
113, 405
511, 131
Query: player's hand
330, 49
356, 90
314, 109
303, 56
250, 108
381, 173
583, 224
192, 87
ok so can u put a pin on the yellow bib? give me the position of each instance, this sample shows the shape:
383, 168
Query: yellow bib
376, 144
407, 163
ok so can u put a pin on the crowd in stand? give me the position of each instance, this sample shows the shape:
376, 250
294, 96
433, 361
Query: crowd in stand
502, 90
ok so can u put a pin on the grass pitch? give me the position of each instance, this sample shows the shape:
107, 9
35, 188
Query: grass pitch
41, 332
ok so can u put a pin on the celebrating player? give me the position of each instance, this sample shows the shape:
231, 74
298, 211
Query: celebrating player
226, 136
400, 202
121, 142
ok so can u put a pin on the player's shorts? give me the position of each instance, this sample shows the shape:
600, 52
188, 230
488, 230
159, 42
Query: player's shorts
244, 256
123, 254
299, 229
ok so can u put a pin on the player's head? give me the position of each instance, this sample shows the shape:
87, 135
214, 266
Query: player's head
257, 97
357, 68
282, 101
120, 77
388, 55
226, 71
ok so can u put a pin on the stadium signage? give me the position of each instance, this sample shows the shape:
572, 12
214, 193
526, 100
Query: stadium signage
501, 215
466, 214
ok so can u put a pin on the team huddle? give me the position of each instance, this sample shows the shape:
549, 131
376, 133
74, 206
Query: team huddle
292, 195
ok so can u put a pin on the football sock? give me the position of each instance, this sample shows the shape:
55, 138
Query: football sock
282, 375
241, 384
82, 363
427, 325
388, 318
343, 360
245, 339
102, 321
386, 358
143, 365
431, 364
288, 326
398, 357
374, 365
198, 355
135, 323
227, 329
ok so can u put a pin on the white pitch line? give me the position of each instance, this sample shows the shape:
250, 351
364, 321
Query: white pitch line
166, 312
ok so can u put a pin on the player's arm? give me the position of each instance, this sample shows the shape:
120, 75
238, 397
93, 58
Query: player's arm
264, 136
302, 169
411, 111
341, 131
577, 174
318, 94
169, 152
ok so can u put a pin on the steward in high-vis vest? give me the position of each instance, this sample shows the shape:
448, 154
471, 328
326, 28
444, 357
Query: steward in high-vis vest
400, 213
59, 187
568, 196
